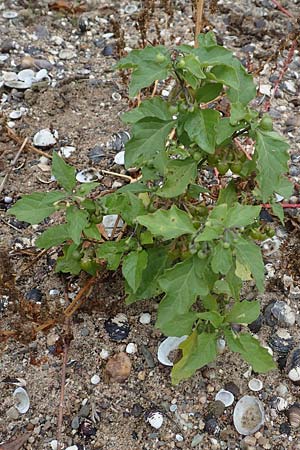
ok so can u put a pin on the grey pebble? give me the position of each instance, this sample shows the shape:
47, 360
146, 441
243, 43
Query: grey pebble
108, 50
75, 423
294, 171
12, 413
84, 411
84, 332
197, 440
148, 356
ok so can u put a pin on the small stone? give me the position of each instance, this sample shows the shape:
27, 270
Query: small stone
84, 332
282, 390
66, 54
54, 444
12, 413
179, 438
265, 89
131, 348
250, 440
95, 379
108, 50
285, 428
84, 411
75, 423
137, 410
197, 440
9, 14
145, 318
118, 367
148, 356
96, 154
289, 86
104, 354
72, 447
34, 295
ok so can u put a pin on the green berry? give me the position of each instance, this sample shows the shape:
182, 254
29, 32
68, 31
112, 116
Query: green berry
236, 167
222, 167
266, 123
160, 58
226, 245
181, 63
197, 156
201, 254
173, 109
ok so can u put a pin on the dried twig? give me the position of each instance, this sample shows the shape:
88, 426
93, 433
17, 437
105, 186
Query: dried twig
115, 174
77, 301
239, 145
11, 226
13, 163
28, 146
198, 22
282, 9
40, 254
62, 394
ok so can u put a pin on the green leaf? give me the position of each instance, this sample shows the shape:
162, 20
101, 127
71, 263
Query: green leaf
194, 66
112, 252
179, 325
67, 263
136, 188
241, 215
54, 236
210, 233
285, 187
225, 74
158, 259
208, 92
149, 137
86, 188
194, 190
169, 224
213, 317
251, 351
198, 350
246, 90
237, 113
179, 174
154, 107
126, 204
133, 266
243, 312
249, 255
201, 128
35, 207
92, 232
235, 284
77, 220
221, 261
224, 130
145, 68
182, 283
271, 162
207, 39
64, 174
222, 287
278, 210
228, 195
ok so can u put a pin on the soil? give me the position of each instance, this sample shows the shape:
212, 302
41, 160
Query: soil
82, 103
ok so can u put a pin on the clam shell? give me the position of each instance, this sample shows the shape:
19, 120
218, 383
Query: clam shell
225, 397
255, 385
120, 158
88, 175
21, 399
155, 419
283, 313
44, 138
293, 414
248, 415
109, 222
26, 75
166, 347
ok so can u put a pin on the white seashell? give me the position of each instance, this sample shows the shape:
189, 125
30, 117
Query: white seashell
120, 158
21, 399
116, 96
265, 89
41, 75
66, 54
166, 347
26, 75
130, 9
9, 76
221, 345
278, 198
248, 415
9, 14
271, 246
294, 374
67, 150
72, 447
53, 444
95, 379
109, 222
225, 397
255, 385
283, 313
104, 354
18, 84
155, 419
179, 437
131, 348
281, 404
15, 115
145, 318
44, 138
88, 175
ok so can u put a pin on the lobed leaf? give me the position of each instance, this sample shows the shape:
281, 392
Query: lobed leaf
54, 236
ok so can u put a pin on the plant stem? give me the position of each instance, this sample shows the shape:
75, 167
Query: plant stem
198, 23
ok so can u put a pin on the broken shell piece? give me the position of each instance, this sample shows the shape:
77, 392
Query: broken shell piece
88, 175
18, 84
281, 342
44, 138
104, 354
225, 397
270, 246
145, 318
283, 313
117, 327
109, 222
26, 75
293, 414
131, 348
248, 415
67, 150
9, 14
166, 347
21, 399
15, 115
281, 404
155, 419
221, 345
293, 366
255, 385
120, 158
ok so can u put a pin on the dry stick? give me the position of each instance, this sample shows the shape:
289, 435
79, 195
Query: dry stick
282, 73
40, 254
282, 9
28, 146
77, 300
5, 179
11, 226
239, 145
115, 174
198, 24
62, 390
154, 88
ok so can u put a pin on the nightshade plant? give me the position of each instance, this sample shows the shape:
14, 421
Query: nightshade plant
189, 243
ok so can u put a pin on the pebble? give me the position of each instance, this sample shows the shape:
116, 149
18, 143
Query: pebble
282, 390
137, 410
95, 379
75, 423
9, 14
145, 318
197, 440
108, 50
96, 153
131, 348
84, 411
289, 86
66, 54
12, 413
104, 354
72, 447
148, 356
